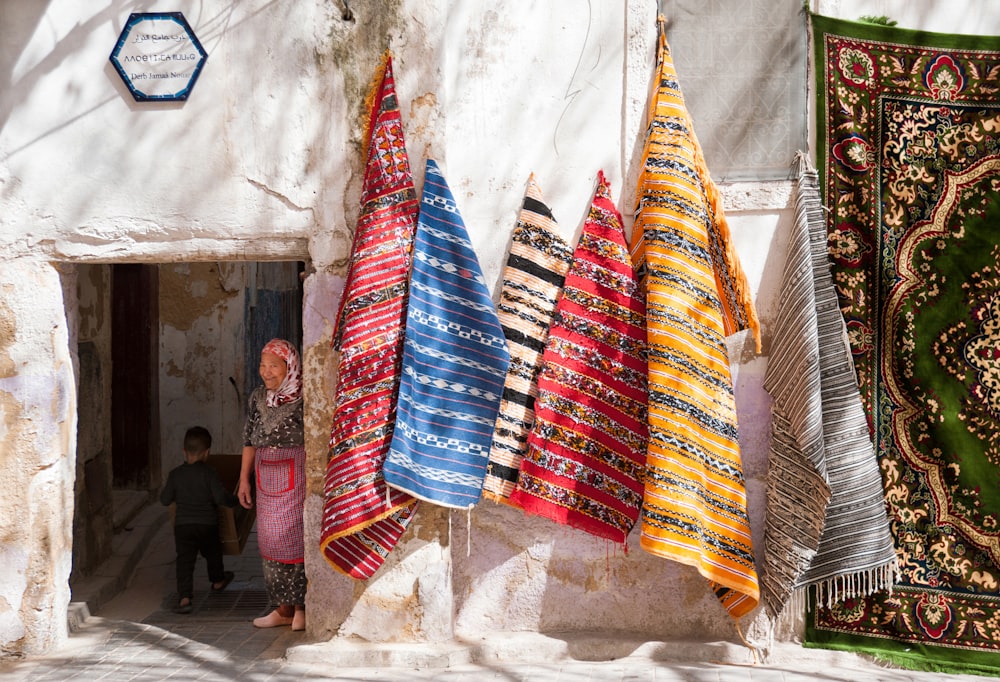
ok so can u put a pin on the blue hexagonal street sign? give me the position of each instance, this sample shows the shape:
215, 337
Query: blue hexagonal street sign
158, 56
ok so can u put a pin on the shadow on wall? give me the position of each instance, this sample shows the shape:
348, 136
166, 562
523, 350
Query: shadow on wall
527, 573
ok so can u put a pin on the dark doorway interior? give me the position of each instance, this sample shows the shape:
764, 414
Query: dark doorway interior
135, 428
162, 346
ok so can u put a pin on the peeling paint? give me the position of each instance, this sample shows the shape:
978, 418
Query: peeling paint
433, 524
189, 292
8, 334
171, 369
424, 115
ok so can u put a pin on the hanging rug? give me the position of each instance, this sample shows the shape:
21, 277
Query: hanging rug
694, 509
454, 362
532, 281
909, 166
587, 448
362, 518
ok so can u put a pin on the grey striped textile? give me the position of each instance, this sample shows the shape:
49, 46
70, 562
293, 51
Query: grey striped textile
826, 520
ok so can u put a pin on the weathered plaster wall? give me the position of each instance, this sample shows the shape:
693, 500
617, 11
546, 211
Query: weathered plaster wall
201, 347
264, 163
238, 171
269, 167
564, 119
37, 434
212, 317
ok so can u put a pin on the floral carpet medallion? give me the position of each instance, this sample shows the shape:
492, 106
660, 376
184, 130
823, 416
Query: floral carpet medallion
909, 152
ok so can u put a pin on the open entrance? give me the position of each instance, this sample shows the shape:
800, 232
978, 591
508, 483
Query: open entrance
163, 347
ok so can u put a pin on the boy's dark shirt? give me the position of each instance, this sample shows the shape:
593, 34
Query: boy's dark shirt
197, 490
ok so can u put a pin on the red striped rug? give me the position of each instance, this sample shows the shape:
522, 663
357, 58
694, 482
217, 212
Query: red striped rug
587, 448
362, 517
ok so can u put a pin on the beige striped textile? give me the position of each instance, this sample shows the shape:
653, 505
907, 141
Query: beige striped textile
532, 282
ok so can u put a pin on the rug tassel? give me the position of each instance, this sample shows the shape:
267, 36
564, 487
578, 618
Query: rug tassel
861, 584
748, 645
607, 562
798, 601
373, 90
661, 29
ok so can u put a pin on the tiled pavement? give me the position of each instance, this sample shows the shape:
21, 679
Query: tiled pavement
136, 636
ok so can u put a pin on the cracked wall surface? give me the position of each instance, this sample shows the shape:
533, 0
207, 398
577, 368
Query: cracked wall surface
201, 348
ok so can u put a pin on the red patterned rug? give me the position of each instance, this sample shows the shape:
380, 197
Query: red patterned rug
586, 451
363, 518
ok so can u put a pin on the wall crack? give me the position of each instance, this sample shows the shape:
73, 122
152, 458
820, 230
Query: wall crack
281, 197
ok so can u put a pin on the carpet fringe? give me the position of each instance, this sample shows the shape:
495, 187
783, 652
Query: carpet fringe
859, 584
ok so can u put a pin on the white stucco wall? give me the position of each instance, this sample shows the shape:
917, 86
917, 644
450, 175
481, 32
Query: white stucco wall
264, 163
957, 16
89, 174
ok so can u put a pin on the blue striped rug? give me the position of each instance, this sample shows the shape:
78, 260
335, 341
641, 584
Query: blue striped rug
455, 360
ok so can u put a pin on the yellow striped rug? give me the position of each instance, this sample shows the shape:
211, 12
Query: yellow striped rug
694, 507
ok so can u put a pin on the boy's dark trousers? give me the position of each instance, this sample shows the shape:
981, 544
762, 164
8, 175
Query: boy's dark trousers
190, 539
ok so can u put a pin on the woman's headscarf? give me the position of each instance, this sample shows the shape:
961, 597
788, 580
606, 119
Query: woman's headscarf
291, 386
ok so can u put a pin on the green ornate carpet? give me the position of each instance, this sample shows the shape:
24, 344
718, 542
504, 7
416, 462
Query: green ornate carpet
908, 147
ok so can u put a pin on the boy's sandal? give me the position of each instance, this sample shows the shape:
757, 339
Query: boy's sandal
183, 608
227, 578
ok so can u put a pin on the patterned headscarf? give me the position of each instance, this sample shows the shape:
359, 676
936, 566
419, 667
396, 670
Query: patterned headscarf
291, 386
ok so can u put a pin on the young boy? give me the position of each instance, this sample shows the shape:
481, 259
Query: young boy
197, 490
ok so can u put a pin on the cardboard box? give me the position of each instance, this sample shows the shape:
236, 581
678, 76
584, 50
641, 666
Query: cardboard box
235, 523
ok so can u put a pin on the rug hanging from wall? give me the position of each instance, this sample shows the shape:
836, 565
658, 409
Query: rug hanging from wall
826, 522
454, 362
694, 508
909, 159
532, 282
586, 452
363, 519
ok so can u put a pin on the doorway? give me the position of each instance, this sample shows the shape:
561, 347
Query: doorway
162, 347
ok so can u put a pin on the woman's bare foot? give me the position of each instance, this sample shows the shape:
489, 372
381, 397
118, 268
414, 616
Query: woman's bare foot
272, 620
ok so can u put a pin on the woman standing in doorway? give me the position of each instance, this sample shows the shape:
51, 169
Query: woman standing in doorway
274, 450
